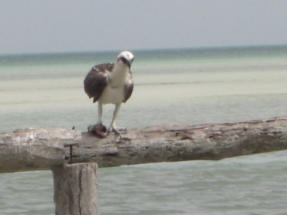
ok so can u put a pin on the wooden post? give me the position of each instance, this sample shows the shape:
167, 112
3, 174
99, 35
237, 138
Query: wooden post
75, 188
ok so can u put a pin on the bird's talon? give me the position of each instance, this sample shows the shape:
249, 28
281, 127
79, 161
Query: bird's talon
116, 132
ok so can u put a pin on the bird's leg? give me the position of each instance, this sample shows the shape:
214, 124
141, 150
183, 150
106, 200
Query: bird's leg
113, 124
102, 128
98, 129
100, 112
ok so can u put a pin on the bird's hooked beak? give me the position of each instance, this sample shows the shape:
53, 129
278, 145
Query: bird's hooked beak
125, 61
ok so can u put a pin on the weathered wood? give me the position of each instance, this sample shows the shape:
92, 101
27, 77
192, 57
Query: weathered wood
31, 149
178, 143
75, 188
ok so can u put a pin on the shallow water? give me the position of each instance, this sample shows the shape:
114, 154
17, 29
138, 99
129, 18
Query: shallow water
244, 185
171, 86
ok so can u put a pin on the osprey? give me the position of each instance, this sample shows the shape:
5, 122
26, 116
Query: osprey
110, 83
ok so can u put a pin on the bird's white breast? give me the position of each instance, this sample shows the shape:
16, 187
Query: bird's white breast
112, 95
114, 92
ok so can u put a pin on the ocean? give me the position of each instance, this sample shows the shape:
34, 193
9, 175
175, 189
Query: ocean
173, 86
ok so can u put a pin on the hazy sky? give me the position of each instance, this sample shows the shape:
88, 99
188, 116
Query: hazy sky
93, 25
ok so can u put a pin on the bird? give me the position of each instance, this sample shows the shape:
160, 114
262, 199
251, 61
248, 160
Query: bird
110, 83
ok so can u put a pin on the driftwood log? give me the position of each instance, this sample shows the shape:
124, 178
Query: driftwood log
31, 149
73, 156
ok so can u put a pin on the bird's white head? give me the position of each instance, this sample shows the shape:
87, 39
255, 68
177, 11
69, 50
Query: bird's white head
126, 57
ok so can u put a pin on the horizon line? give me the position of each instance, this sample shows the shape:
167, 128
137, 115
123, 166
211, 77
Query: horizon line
145, 49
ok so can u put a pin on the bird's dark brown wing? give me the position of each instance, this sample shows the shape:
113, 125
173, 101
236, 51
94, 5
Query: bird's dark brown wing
97, 79
129, 86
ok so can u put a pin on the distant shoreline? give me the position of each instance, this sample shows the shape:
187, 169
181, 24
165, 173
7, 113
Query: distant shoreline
199, 48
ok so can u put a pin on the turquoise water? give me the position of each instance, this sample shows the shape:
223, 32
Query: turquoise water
185, 86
